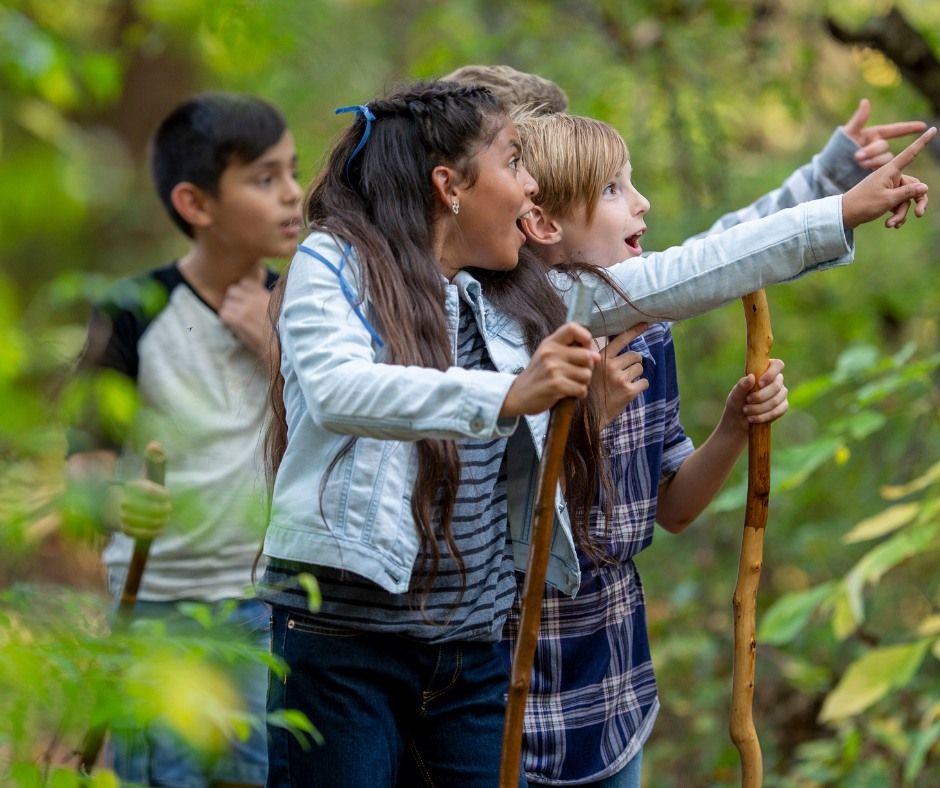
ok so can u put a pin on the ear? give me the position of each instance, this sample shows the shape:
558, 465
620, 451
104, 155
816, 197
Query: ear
541, 228
192, 203
445, 181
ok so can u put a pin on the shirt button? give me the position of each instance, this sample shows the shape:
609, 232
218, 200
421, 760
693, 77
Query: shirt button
476, 424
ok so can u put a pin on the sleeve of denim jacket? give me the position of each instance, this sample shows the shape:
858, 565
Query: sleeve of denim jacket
329, 350
832, 171
706, 273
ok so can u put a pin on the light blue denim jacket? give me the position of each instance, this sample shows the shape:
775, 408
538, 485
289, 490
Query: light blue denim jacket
337, 384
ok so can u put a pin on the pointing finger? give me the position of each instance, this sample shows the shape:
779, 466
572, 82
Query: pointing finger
907, 155
890, 131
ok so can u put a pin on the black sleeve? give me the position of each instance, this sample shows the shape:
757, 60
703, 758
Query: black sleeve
106, 371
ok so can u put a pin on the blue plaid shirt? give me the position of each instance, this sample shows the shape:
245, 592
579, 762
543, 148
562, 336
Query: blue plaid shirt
592, 698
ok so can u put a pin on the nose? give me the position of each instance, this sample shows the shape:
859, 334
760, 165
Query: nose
529, 184
640, 204
292, 190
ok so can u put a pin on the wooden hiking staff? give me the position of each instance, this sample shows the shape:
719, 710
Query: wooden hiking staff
760, 339
543, 519
155, 462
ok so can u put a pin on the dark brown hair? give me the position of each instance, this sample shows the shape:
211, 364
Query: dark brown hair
381, 201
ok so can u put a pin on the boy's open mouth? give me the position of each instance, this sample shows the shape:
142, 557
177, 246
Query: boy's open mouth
633, 242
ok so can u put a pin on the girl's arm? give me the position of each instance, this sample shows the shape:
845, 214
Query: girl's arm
704, 274
329, 352
684, 281
691, 489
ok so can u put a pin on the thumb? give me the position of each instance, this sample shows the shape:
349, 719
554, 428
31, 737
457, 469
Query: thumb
858, 120
738, 396
619, 342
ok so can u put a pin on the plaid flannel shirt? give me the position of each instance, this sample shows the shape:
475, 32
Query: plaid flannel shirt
592, 697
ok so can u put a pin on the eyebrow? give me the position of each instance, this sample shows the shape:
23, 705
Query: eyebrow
268, 164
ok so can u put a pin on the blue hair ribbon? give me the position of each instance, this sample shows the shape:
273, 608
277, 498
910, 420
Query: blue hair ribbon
359, 109
345, 287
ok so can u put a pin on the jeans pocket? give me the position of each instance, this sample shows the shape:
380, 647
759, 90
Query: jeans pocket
310, 626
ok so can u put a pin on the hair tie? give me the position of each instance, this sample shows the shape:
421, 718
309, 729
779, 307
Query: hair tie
359, 109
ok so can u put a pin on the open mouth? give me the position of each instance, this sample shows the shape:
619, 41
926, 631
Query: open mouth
522, 218
633, 242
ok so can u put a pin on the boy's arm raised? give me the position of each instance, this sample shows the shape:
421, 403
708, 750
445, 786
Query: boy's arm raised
851, 153
873, 151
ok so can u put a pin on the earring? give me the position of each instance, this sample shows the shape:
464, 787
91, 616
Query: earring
455, 206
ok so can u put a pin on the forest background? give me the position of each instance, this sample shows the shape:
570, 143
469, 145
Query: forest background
718, 100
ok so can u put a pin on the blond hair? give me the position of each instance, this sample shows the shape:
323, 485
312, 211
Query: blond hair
517, 90
571, 158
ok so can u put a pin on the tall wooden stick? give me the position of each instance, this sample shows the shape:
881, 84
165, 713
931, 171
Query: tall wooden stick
760, 339
543, 519
155, 461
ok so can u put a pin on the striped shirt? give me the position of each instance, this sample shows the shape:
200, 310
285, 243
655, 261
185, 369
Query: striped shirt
592, 697
473, 610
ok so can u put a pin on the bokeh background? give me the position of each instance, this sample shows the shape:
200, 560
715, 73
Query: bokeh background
719, 100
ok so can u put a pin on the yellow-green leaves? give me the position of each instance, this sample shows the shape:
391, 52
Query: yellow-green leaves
873, 676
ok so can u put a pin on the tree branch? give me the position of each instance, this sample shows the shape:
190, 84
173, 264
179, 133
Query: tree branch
901, 43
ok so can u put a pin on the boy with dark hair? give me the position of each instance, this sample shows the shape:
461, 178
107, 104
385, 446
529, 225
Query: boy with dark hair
193, 338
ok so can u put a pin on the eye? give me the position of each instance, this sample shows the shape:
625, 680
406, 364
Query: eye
514, 162
265, 180
610, 188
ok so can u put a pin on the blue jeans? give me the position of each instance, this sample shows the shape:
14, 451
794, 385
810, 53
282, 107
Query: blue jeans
392, 711
627, 777
157, 756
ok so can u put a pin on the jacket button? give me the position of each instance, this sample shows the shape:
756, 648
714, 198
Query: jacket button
476, 424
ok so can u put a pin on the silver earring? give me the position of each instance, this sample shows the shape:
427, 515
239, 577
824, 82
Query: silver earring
455, 206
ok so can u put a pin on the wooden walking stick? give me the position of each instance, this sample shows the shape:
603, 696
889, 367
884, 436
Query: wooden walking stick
743, 733
155, 461
543, 519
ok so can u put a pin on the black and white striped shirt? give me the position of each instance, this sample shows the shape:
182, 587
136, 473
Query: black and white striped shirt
475, 610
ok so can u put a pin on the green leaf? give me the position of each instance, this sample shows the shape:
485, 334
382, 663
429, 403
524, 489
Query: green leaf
858, 425
855, 360
871, 677
882, 523
64, 778
931, 476
872, 566
844, 618
789, 614
298, 724
923, 743
104, 778
309, 583
929, 626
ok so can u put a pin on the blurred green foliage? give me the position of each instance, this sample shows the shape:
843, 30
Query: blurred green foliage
718, 100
